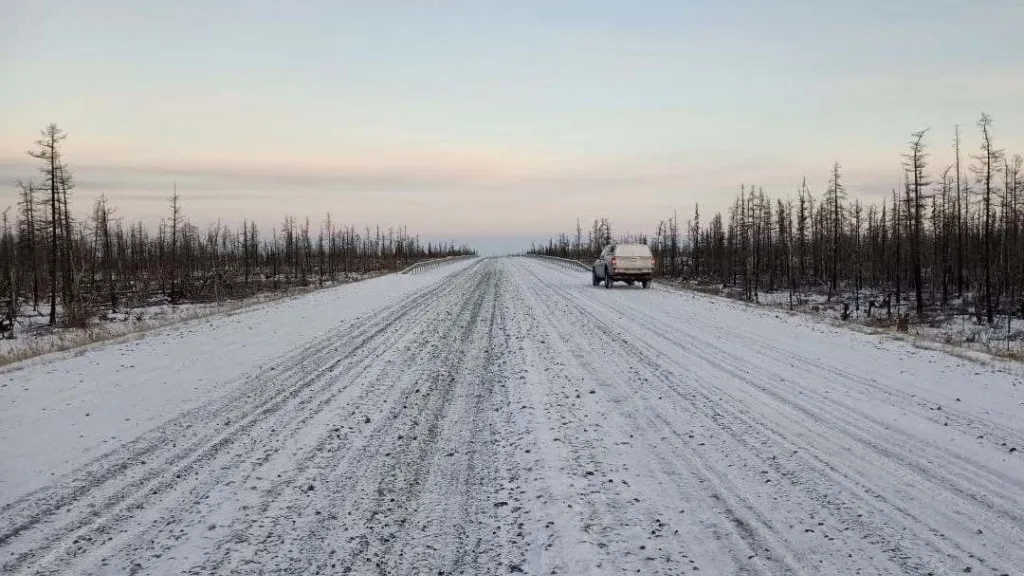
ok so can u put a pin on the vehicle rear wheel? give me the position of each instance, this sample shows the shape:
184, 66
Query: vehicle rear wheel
646, 284
594, 278
607, 279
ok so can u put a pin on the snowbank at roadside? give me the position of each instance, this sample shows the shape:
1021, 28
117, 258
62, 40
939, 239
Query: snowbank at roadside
67, 407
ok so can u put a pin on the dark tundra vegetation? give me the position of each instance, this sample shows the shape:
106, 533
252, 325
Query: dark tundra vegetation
73, 268
948, 239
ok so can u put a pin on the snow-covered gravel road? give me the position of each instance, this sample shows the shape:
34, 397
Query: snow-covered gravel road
502, 416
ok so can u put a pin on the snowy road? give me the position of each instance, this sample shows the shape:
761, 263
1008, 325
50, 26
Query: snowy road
502, 416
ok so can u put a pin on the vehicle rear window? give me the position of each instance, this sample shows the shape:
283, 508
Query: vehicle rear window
633, 250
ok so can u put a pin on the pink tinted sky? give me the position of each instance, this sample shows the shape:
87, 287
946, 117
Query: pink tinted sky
494, 122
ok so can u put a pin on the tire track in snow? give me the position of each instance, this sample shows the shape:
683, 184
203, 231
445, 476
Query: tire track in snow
977, 485
714, 522
456, 431
768, 412
371, 489
113, 488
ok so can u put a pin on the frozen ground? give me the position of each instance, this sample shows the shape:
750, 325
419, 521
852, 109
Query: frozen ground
950, 328
35, 337
502, 416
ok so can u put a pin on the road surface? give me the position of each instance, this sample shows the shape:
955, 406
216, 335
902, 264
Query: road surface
502, 416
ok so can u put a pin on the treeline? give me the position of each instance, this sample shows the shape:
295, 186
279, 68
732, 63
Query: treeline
75, 267
586, 245
948, 237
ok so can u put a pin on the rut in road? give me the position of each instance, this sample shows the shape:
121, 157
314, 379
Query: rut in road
511, 419
229, 486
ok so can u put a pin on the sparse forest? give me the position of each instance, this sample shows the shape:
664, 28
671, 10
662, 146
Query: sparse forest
71, 268
948, 239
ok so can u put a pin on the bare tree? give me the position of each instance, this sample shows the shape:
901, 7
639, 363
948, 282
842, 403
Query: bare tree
915, 162
175, 225
961, 219
987, 164
27, 231
102, 214
835, 195
695, 247
47, 151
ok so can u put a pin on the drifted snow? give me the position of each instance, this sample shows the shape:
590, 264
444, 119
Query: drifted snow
503, 416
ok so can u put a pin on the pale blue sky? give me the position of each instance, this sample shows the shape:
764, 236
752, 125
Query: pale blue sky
504, 118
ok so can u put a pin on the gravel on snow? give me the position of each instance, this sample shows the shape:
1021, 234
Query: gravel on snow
502, 416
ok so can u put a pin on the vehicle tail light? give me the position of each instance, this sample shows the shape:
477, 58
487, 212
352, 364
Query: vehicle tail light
615, 261
654, 261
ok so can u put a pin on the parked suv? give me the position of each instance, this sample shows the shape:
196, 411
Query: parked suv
629, 263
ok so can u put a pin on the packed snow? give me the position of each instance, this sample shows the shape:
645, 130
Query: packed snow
500, 416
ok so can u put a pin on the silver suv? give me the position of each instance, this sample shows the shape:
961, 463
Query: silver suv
629, 263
